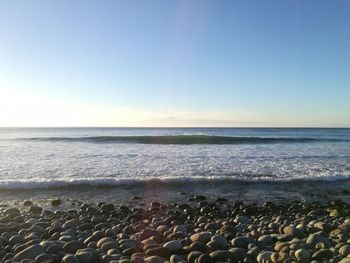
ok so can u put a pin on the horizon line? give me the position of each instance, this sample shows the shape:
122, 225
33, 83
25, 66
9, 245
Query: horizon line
173, 127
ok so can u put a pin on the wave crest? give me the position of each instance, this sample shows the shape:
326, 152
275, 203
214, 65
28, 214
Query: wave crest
183, 139
78, 184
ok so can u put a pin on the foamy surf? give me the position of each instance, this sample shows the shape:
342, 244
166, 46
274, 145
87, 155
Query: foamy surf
152, 182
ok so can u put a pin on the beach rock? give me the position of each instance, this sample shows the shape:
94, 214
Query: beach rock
264, 257
108, 245
105, 240
16, 240
322, 254
302, 255
73, 223
154, 259
265, 240
202, 237
159, 251
242, 220
204, 258
315, 238
192, 256
224, 255
242, 242
180, 228
173, 245
323, 226
71, 247
29, 253
44, 258
198, 246
344, 250
219, 242
87, 255
70, 259
240, 252
177, 259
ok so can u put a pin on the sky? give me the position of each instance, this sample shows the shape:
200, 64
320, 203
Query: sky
175, 63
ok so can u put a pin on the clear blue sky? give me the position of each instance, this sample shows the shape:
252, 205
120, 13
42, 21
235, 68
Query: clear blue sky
281, 63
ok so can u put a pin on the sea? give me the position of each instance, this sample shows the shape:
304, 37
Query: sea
51, 158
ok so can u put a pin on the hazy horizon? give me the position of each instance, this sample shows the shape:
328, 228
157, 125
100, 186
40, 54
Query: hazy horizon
174, 63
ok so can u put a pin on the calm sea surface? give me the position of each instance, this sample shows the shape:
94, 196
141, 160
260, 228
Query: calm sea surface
51, 157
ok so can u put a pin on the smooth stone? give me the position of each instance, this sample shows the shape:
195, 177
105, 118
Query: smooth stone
242, 242
193, 255
154, 259
73, 223
224, 255
47, 243
265, 240
137, 259
204, 258
42, 258
219, 241
180, 228
302, 255
173, 245
344, 250
36, 229
199, 246
159, 251
87, 255
29, 253
322, 254
242, 220
108, 245
148, 242
201, 236
71, 247
323, 226
105, 240
70, 259
239, 251
176, 259
17, 239
315, 238
264, 257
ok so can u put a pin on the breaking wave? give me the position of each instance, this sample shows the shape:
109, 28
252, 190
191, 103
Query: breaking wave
80, 184
183, 139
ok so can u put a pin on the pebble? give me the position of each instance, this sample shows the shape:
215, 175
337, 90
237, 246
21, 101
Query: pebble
224, 255
173, 245
202, 237
302, 255
30, 252
344, 250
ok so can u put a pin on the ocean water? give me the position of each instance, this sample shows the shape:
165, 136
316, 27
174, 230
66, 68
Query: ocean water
36, 158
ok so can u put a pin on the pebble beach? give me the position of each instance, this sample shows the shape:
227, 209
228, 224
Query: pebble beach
196, 229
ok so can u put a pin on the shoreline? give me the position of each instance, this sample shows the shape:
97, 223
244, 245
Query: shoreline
250, 192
